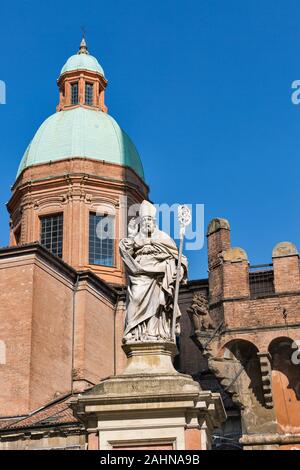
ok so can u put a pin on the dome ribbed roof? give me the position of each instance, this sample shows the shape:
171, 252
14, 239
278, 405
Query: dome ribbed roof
85, 133
82, 62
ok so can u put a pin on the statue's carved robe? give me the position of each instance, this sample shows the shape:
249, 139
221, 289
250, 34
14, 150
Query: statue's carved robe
152, 270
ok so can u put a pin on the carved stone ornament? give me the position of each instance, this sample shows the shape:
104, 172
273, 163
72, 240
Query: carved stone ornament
199, 314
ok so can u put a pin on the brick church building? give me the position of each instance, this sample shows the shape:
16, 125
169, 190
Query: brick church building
63, 290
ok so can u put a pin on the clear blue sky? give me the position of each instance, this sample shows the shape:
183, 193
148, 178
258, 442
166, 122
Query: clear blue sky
203, 88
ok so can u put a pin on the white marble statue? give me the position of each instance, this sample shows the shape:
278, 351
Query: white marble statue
150, 257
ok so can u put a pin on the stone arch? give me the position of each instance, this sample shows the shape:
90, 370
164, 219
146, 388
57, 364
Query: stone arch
238, 369
247, 371
238, 346
286, 361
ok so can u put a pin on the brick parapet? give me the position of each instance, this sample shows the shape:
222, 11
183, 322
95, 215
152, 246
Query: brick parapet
286, 268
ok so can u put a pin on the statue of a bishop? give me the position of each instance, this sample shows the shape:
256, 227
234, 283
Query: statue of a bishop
151, 259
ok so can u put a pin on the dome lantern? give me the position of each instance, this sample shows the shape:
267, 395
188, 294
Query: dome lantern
82, 82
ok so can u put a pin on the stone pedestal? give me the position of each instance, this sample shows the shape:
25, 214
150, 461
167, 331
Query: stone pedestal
150, 405
150, 358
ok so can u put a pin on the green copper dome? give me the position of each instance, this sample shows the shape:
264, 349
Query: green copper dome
82, 62
81, 132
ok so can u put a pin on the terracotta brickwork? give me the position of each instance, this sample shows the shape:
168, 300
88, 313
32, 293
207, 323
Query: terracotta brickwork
94, 335
93, 441
75, 187
16, 281
252, 349
286, 268
192, 439
57, 326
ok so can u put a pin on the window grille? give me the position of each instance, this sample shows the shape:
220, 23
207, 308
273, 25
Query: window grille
261, 280
89, 94
74, 93
101, 240
52, 233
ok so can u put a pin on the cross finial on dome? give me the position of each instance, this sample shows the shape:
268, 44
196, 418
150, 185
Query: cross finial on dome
83, 47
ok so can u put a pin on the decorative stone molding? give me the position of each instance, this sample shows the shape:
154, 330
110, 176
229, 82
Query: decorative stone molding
217, 224
284, 249
50, 203
274, 439
234, 255
103, 205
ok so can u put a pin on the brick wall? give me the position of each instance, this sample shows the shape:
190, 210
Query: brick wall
56, 325
259, 321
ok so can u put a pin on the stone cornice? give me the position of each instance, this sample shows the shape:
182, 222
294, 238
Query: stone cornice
62, 182
249, 329
38, 250
98, 284
58, 264
79, 173
269, 439
256, 299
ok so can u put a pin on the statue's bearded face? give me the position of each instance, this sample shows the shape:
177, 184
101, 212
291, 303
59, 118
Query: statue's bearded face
147, 225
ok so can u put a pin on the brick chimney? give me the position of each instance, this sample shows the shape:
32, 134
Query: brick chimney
218, 241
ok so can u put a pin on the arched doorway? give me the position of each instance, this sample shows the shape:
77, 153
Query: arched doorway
242, 365
286, 383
